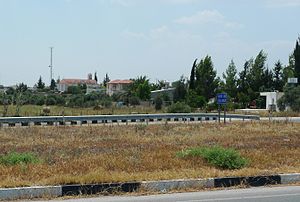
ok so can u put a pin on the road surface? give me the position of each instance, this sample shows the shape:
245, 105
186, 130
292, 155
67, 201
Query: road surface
257, 194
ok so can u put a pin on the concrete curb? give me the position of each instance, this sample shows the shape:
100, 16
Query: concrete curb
167, 185
30, 192
160, 186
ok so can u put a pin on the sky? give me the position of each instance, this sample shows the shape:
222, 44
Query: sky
130, 38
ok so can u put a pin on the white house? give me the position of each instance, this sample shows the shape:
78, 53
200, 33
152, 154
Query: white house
117, 86
272, 99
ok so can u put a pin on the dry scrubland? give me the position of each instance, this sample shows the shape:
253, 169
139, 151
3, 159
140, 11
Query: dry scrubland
137, 152
35, 110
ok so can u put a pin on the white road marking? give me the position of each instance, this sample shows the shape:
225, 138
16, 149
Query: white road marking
240, 198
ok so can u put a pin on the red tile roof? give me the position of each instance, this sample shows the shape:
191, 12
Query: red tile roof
77, 81
118, 81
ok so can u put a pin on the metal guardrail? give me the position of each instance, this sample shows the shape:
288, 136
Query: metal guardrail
93, 119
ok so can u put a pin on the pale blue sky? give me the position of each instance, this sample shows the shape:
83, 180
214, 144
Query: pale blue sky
128, 38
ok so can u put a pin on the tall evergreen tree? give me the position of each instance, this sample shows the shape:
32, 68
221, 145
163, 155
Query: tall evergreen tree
106, 80
230, 78
278, 76
243, 82
257, 71
180, 92
268, 78
192, 77
40, 84
297, 59
53, 84
289, 70
95, 77
206, 81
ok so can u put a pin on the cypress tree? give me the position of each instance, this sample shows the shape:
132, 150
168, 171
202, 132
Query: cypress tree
192, 77
278, 76
297, 59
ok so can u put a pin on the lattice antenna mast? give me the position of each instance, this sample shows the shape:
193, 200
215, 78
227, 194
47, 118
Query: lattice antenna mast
51, 65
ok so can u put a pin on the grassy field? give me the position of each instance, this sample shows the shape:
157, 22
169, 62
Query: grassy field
94, 154
35, 110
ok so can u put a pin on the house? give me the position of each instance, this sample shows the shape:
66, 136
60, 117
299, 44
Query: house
272, 99
64, 84
117, 86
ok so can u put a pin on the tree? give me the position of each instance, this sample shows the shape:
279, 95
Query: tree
40, 84
106, 80
53, 84
95, 77
158, 103
140, 88
289, 70
194, 100
180, 89
291, 98
21, 87
297, 59
192, 77
278, 76
244, 84
231, 81
257, 71
206, 81
243, 81
268, 81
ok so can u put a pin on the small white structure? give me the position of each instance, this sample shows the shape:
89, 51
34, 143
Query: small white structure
117, 86
271, 99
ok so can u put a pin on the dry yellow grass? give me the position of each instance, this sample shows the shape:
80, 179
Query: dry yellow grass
94, 154
35, 110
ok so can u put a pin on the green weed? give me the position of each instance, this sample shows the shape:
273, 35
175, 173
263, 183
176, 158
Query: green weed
217, 156
15, 158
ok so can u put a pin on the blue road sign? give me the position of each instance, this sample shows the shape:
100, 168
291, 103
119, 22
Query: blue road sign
221, 98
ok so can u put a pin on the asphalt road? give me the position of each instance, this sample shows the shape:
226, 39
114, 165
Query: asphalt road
288, 119
257, 194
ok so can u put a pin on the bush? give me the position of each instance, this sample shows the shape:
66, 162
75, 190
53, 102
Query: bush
50, 101
158, 103
179, 107
15, 158
291, 98
134, 100
195, 101
217, 156
211, 107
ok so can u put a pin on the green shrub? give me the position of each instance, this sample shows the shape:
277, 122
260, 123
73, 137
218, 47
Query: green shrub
158, 101
15, 158
217, 156
179, 107
134, 100
194, 100
50, 101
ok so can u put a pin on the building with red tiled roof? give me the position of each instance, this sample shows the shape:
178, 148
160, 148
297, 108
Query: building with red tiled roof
64, 84
117, 86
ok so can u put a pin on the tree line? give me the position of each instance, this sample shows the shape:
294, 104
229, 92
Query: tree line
243, 88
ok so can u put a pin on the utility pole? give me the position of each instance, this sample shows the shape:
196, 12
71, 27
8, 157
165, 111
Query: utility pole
51, 65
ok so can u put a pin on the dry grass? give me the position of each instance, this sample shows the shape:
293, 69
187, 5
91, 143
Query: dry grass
95, 154
35, 110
